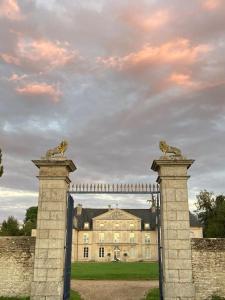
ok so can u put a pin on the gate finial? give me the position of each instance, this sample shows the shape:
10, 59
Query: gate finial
57, 151
165, 148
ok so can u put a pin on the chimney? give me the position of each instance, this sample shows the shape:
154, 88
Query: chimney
79, 209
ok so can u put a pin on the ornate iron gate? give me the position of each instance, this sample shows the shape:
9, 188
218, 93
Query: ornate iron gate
147, 189
68, 247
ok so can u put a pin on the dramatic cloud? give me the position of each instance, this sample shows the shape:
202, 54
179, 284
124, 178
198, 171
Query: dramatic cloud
40, 89
148, 22
45, 52
10, 9
175, 52
182, 79
113, 78
212, 4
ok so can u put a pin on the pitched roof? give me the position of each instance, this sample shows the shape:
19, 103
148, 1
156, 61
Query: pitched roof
146, 216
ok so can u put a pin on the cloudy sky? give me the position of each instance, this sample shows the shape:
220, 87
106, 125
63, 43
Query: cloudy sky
113, 77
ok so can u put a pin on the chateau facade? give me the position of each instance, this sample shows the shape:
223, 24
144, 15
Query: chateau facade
118, 234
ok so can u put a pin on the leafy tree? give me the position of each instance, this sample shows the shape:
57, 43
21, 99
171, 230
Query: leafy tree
1, 167
10, 227
30, 221
211, 212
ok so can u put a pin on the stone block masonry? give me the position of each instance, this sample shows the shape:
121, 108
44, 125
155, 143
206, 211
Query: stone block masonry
48, 280
208, 264
175, 228
16, 265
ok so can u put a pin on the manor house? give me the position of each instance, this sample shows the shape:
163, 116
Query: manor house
118, 234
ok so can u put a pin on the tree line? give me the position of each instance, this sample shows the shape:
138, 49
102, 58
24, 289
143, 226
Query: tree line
210, 210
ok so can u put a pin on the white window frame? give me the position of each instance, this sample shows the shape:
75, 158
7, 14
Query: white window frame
101, 252
86, 252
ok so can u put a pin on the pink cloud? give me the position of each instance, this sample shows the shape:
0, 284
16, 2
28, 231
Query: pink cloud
148, 22
10, 10
182, 80
10, 59
47, 52
211, 4
16, 77
174, 52
40, 89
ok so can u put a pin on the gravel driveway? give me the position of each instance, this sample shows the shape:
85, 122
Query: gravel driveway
112, 289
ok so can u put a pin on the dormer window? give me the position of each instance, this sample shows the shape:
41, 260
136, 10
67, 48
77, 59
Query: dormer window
86, 225
147, 226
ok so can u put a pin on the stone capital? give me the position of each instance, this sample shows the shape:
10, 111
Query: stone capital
157, 163
172, 169
69, 164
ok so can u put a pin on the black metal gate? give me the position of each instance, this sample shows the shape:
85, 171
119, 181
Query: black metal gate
68, 247
148, 189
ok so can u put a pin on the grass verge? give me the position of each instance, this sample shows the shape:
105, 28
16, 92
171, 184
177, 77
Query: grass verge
153, 294
115, 271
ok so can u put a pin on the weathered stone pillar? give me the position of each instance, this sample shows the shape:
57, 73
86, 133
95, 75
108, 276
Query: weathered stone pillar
51, 228
175, 228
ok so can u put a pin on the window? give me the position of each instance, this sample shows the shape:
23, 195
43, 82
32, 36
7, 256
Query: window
147, 238
85, 251
147, 252
101, 237
147, 226
131, 226
116, 237
101, 225
86, 225
101, 252
86, 238
131, 237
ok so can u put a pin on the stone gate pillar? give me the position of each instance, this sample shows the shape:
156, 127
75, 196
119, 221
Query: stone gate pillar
51, 228
175, 227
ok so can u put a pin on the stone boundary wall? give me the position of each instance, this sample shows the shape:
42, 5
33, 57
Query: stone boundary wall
16, 265
208, 264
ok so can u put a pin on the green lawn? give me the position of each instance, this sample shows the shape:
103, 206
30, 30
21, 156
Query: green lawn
74, 295
153, 294
115, 270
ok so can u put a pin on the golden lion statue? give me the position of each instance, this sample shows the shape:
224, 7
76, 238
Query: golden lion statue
165, 148
61, 149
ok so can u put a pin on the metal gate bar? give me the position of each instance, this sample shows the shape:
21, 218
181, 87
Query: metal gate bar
145, 189
68, 247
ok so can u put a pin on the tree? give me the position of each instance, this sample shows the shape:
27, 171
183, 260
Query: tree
211, 212
10, 227
1, 167
30, 221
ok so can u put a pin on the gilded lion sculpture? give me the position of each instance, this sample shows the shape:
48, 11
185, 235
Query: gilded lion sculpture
59, 150
165, 148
